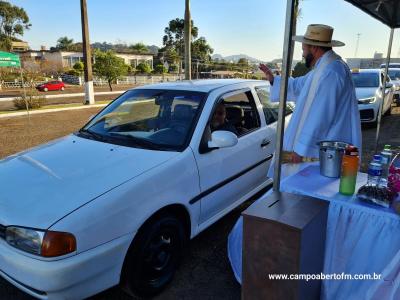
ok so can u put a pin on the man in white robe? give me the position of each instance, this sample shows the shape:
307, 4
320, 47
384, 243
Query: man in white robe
326, 104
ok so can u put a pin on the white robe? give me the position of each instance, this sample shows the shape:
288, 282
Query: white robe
333, 114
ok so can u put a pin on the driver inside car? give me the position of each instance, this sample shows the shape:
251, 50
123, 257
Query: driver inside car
219, 121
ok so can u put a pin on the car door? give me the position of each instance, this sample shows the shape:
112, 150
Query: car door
388, 94
51, 86
228, 174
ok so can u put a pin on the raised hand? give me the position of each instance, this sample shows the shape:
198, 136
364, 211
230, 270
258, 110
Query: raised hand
268, 73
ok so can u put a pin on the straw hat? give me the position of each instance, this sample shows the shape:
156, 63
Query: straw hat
318, 35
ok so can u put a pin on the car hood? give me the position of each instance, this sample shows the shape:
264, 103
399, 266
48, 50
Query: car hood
363, 93
42, 185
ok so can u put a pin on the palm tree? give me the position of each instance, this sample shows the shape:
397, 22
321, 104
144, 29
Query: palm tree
139, 48
64, 43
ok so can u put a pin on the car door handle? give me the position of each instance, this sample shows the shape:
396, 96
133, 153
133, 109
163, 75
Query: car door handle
265, 143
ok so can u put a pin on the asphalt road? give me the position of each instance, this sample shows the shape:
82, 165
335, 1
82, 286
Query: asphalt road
205, 272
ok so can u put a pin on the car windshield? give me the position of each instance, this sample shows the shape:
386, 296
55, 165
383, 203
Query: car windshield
394, 74
148, 118
364, 80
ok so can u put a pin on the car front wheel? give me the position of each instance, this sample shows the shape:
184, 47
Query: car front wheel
153, 257
45, 89
62, 88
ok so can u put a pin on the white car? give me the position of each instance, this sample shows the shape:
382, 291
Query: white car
394, 74
115, 202
368, 84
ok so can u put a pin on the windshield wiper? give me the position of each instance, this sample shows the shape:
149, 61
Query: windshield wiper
92, 134
137, 141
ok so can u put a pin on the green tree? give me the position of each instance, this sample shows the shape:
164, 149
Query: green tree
109, 66
139, 48
143, 68
13, 20
201, 50
64, 43
160, 69
300, 69
79, 66
175, 36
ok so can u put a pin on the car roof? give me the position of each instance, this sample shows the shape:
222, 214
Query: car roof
200, 85
368, 71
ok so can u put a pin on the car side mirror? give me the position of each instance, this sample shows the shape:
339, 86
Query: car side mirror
389, 85
222, 139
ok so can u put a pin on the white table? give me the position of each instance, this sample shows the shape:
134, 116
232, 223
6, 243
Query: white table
361, 238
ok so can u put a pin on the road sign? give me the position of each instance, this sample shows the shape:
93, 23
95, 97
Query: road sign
9, 60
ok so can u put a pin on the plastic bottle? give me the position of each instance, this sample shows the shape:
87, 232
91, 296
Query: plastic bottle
386, 156
348, 177
374, 171
394, 174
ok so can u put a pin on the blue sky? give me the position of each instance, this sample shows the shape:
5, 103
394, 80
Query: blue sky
253, 27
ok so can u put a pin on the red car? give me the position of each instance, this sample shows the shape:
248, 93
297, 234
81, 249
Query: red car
51, 86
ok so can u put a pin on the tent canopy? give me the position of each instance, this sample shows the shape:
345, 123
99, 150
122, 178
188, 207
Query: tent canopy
386, 11
9, 60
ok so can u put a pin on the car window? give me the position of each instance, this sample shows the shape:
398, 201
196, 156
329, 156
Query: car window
270, 109
365, 79
394, 74
236, 112
162, 119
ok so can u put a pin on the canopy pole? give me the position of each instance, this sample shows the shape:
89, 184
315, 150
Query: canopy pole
380, 112
287, 47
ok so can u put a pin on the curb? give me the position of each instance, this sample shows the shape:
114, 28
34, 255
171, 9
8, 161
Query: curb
8, 99
50, 110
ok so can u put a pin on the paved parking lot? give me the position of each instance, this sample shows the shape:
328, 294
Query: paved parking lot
205, 272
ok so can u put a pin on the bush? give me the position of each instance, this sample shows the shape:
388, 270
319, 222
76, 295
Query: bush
33, 100
160, 69
143, 68
79, 66
73, 72
173, 69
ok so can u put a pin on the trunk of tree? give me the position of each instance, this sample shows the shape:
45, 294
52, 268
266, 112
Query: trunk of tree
109, 84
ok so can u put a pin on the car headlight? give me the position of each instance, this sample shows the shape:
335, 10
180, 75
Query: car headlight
43, 243
367, 100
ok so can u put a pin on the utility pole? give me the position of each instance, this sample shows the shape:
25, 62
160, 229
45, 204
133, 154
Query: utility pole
357, 43
188, 40
89, 92
197, 69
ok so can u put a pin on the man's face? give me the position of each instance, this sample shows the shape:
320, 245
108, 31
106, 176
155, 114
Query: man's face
308, 54
219, 116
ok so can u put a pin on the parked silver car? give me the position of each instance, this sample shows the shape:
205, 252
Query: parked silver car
368, 83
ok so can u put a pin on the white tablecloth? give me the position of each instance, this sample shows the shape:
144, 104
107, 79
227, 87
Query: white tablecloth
361, 238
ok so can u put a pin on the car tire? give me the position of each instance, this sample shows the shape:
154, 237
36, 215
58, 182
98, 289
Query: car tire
62, 88
45, 90
153, 256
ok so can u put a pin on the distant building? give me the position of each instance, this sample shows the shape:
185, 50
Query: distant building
369, 63
66, 59
19, 46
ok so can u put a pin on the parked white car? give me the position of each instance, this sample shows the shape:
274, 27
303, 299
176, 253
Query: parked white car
368, 84
394, 74
116, 202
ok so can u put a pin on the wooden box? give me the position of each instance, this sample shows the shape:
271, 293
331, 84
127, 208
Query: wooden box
283, 234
